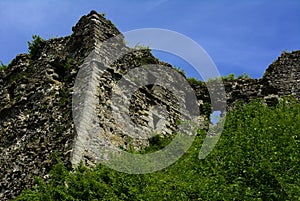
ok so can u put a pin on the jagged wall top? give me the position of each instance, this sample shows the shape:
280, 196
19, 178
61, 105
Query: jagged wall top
94, 28
36, 93
283, 75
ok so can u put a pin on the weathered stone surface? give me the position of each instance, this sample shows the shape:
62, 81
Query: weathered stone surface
36, 122
280, 79
36, 105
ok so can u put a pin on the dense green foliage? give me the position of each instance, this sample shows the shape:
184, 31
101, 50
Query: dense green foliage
256, 158
230, 77
35, 45
195, 81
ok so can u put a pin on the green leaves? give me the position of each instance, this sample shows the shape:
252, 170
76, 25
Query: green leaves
34, 46
256, 158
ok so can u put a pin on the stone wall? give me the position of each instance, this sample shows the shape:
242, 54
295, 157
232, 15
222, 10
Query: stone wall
36, 122
281, 78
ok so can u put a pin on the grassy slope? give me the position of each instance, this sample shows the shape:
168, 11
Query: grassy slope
256, 158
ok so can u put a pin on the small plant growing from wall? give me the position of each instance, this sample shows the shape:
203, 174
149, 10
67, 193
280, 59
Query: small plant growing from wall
2, 66
244, 76
35, 45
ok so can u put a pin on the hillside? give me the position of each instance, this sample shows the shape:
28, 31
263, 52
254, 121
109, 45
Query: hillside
256, 158
36, 122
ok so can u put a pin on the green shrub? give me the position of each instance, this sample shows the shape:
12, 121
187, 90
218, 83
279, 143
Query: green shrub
156, 143
195, 81
179, 70
35, 46
244, 76
206, 109
256, 158
140, 46
229, 77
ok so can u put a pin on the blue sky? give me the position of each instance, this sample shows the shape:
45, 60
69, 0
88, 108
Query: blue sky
240, 36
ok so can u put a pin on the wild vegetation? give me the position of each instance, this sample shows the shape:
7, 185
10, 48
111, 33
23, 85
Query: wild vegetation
33, 49
230, 77
35, 45
2, 66
256, 158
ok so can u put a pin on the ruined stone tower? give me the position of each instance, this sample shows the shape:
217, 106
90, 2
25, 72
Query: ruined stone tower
36, 122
